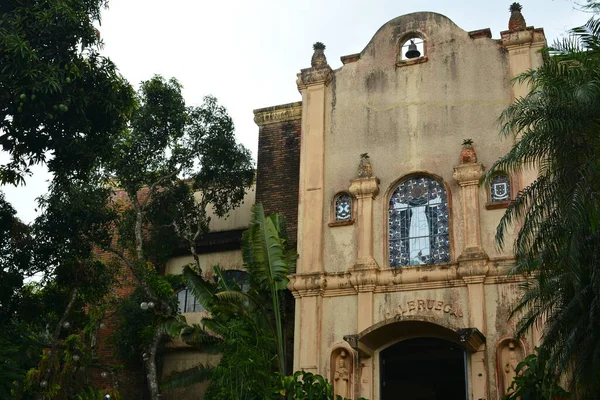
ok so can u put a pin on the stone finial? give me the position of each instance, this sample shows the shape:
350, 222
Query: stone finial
318, 58
365, 169
468, 155
319, 73
516, 21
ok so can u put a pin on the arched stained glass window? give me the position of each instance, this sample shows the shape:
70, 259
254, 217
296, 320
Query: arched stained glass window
500, 188
343, 207
418, 223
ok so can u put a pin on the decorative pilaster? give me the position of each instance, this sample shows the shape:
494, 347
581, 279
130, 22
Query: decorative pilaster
312, 84
523, 44
468, 174
365, 188
472, 263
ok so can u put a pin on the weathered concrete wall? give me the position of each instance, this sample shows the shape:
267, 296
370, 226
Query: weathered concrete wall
413, 118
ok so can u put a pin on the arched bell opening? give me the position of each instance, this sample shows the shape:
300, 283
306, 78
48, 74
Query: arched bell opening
411, 46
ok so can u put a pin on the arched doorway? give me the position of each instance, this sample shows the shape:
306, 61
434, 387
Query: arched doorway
423, 368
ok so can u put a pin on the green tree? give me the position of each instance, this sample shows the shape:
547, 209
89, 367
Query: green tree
74, 288
15, 257
58, 96
557, 126
166, 144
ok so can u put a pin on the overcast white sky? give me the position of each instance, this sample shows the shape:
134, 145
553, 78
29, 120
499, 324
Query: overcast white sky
247, 53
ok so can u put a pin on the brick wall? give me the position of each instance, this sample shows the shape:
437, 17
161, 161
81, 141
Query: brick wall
277, 184
131, 384
278, 169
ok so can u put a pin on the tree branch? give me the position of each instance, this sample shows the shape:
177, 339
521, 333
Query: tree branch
57, 330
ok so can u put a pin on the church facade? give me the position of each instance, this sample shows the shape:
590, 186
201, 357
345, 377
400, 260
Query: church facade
401, 290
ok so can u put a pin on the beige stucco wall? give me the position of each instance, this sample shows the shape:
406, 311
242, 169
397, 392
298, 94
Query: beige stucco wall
231, 259
238, 218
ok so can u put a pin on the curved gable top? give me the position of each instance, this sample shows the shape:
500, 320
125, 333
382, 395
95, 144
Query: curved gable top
433, 27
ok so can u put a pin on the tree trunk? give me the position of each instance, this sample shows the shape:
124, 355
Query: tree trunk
57, 330
151, 372
139, 251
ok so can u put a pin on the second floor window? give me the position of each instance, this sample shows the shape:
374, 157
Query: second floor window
187, 302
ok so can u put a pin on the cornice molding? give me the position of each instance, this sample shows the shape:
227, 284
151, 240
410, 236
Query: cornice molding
278, 114
468, 174
386, 280
314, 76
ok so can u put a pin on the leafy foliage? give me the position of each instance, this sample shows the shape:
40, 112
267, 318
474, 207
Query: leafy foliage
306, 385
558, 245
199, 373
238, 328
535, 381
15, 257
245, 370
245, 318
268, 264
58, 95
166, 142
135, 329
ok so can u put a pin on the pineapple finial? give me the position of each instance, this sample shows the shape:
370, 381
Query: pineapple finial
516, 21
318, 58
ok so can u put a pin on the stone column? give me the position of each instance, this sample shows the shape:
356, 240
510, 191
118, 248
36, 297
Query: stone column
364, 272
312, 84
467, 175
365, 188
472, 263
523, 44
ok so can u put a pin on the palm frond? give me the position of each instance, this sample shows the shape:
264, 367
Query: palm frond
203, 291
174, 325
185, 378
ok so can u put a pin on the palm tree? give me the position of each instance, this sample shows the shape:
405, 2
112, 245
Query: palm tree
558, 246
268, 263
245, 322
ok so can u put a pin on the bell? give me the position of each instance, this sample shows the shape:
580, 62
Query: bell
412, 51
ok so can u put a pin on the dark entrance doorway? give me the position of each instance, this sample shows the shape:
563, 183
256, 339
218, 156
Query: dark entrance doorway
423, 369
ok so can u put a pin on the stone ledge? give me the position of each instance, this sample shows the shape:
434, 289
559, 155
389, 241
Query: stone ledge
350, 58
495, 205
481, 33
344, 222
412, 61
